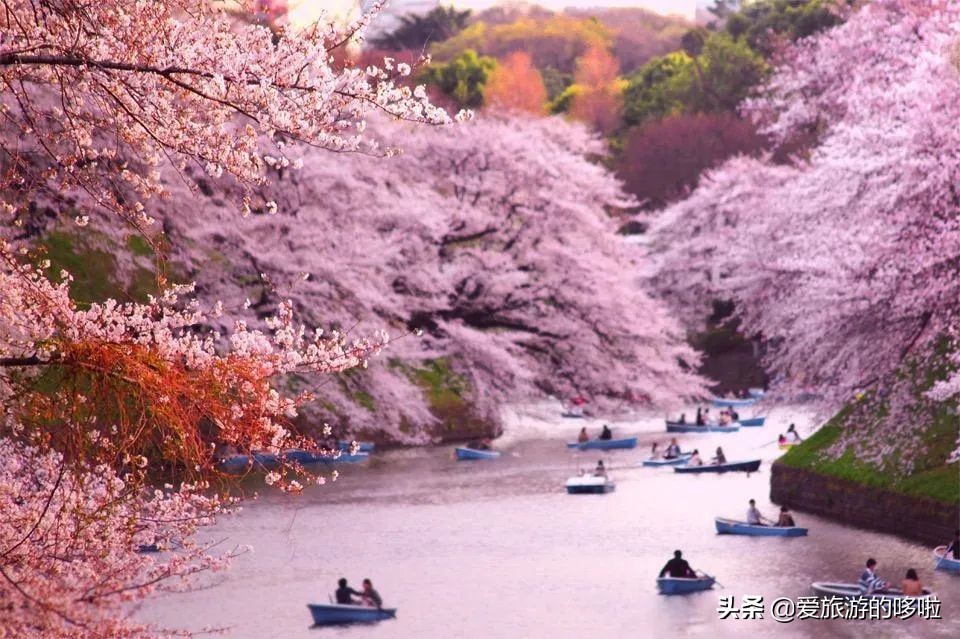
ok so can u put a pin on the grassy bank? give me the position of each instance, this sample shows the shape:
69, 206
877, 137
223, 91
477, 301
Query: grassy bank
914, 466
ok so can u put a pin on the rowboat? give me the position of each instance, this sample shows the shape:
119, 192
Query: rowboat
717, 428
684, 427
786, 446
745, 466
590, 485
469, 454
146, 548
309, 457
362, 447
945, 563
827, 589
752, 421
605, 444
756, 393
239, 463
684, 585
682, 459
733, 527
734, 403
336, 614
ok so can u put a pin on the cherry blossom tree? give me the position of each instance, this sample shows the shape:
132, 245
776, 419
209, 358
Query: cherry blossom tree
844, 260
495, 239
101, 402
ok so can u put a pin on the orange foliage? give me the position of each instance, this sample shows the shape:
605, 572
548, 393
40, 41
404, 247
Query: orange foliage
597, 100
515, 85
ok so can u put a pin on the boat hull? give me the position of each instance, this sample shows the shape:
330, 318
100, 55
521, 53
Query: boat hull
752, 421
308, 457
723, 429
945, 563
337, 614
682, 459
733, 403
744, 466
677, 427
732, 527
683, 586
471, 454
605, 444
590, 485
828, 589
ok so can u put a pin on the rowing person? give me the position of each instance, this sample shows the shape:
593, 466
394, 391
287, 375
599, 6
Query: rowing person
583, 436
695, 459
869, 582
700, 418
754, 518
954, 546
606, 433
786, 519
792, 432
673, 450
345, 593
654, 453
370, 596
678, 568
719, 458
600, 470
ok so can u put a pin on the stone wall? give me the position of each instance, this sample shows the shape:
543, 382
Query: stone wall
919, 519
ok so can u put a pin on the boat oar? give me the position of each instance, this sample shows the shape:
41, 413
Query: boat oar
942, 557
703, 574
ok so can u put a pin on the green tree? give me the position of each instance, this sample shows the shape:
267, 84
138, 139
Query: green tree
462, 78
658, 89
763, 22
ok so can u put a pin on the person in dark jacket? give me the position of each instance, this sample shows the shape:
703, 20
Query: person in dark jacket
954, 546
678, 567
606, 433
370, 596
345, 593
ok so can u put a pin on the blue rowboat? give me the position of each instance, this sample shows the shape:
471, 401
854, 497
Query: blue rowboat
677, 427
945, 563
744, 466
337, 614
605, 444
827, 589
756, 393
717, 428
682, 459
734, 403
310, 457
469, 454
146, 548
733, 527
362, 447
752, 421
590, 485
684, 585
237, 464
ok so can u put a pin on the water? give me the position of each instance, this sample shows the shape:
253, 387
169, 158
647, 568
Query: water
497, 549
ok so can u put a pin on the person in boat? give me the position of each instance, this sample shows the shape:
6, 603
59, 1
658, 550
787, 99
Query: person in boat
683, 418
700, 419
734, 415
724, 418
695, 459
708, 419
345, 593
480, 444
673, 450
654, 453
954, 546
781, 440
719, 458
678, 567
583, 436
369, 596
792, 433
786, 519
911, 585
600, 470
606, 433
869, 582
754, 518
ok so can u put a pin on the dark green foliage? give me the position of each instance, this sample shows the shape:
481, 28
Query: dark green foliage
417, 31
462, 79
